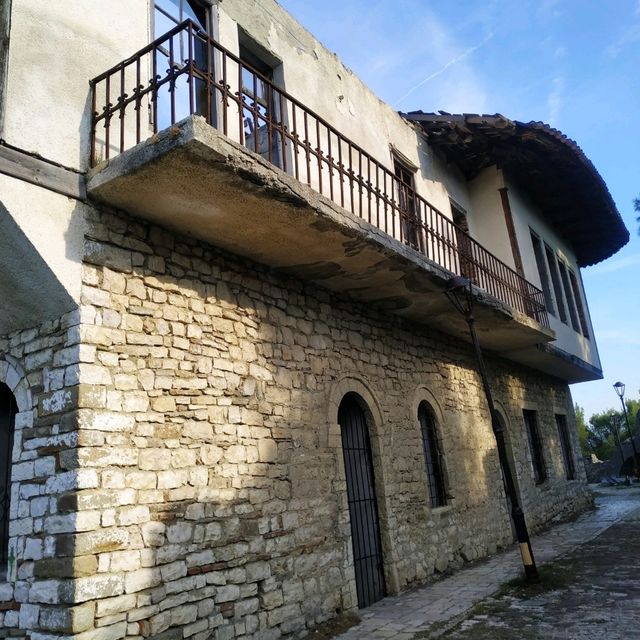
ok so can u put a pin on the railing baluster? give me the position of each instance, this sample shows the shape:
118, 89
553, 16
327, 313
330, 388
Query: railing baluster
283, 138
190, 79
224, 94
295, 142
107, 120
436, 236
172, 85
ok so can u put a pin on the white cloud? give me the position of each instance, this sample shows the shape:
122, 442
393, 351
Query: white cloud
615, 265
555, 99
618, 337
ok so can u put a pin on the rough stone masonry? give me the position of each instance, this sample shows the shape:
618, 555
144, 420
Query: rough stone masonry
178, 470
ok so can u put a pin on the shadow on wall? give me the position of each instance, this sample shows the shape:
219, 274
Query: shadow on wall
30, 291
214, 469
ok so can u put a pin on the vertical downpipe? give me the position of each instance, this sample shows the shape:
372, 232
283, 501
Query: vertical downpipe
5, 29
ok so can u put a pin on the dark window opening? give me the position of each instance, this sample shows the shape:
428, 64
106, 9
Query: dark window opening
535, 445
543, 271
406, 199
565, 446
463, 242
569, 295
361, 497
432, 455
8, 411
578, 300
555, 278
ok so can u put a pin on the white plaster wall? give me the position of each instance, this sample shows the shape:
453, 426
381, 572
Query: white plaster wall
527, 216
55, 49
53, 224
317, 78
487, 224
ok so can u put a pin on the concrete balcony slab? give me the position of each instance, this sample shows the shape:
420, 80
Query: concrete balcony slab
196, 181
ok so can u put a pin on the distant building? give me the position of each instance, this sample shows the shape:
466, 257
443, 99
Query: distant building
238, 402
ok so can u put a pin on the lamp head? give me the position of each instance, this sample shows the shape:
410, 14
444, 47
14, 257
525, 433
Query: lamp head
619, 387
459, 293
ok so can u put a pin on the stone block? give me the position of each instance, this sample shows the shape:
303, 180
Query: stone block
68, 619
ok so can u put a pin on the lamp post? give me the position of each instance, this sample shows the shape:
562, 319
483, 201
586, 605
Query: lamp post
460, 294
619, 387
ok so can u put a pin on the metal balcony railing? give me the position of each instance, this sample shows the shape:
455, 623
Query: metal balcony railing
185, 72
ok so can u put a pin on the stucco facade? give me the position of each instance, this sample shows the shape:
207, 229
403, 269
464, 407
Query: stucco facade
183, 322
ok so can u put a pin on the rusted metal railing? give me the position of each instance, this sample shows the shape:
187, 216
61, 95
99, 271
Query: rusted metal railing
185, 72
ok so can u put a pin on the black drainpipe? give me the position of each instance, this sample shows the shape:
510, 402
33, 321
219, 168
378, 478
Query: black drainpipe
5, 28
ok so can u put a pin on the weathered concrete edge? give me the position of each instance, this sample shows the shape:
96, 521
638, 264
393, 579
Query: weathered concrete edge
203, 141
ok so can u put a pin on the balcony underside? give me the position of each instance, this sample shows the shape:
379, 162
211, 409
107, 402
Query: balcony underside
192, 179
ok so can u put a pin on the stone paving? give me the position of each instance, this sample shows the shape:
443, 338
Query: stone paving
428, 611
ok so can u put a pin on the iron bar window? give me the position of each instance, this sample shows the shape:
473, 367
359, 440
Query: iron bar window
565, 446
535, 445
432, 455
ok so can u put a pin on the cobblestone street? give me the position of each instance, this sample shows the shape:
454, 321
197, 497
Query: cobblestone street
591, 589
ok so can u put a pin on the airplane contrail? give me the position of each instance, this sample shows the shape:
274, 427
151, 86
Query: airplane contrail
451, 62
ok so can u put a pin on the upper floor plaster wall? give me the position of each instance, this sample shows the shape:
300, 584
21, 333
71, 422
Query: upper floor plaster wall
55, 49
317, 77
527, 217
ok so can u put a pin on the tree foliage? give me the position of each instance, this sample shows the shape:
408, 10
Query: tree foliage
600, 434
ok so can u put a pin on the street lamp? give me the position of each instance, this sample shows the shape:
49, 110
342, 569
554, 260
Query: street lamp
619, 387
459, 291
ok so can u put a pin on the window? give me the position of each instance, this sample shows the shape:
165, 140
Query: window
565, 445
578, 300
406, 200
261, 108
555, 278
535, 445
543, 271
8, 410
432, 455
173, 98
463, 241
569, 295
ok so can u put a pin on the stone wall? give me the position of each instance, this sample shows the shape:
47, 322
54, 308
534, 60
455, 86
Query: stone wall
207, 422
39, 365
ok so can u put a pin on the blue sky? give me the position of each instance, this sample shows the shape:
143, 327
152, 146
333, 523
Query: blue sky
574, 64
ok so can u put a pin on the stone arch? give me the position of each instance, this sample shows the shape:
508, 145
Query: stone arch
350, 384
14, 377
424, 394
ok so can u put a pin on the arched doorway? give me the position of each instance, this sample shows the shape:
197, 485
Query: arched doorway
361, 496
8, 411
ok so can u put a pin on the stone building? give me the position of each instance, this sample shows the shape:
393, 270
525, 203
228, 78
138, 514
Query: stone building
235, 401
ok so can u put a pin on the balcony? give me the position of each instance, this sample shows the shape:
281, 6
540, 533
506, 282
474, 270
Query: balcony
227, 156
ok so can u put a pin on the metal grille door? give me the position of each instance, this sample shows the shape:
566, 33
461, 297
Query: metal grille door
363, 509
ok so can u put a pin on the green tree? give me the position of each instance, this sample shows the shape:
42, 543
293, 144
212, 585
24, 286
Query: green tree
601, 432
582, 430
636, 206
